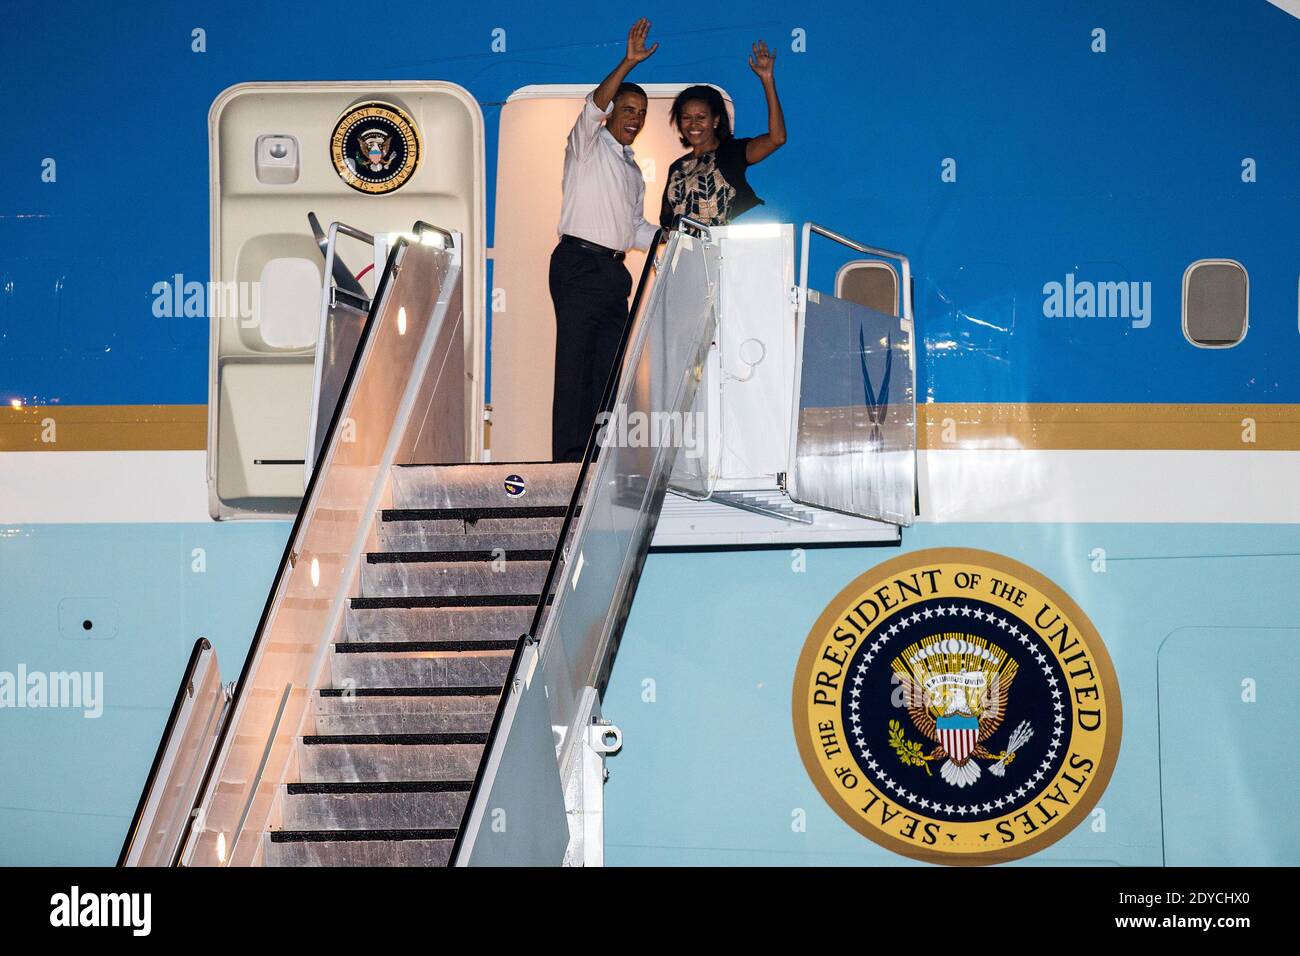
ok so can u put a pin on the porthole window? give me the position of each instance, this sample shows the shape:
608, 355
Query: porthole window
869, 282
1216, 303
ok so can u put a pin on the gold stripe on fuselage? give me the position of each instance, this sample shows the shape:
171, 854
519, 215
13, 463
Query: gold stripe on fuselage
104, 428
941, 426
1101, 426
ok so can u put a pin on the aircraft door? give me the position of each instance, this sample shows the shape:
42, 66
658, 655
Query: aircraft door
853, 428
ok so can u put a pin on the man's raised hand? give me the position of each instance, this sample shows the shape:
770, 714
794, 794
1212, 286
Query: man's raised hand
636, 48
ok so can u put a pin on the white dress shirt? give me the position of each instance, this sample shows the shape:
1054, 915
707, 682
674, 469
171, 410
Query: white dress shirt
604, 194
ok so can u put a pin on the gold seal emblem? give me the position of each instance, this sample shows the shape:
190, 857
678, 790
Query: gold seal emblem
375, 148
955, 706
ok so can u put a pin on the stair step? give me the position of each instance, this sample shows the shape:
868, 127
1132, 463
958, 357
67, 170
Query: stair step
406, 740
394, 532
385, 625
416, 536
474, 515
446, 600
362, 713
380, 647
360, 693
421, 669
389, 757
416, 722
386, 527
451, 578
460, 555
395, 786
482, 485
420, 805
516, 484
280, 849
343, 836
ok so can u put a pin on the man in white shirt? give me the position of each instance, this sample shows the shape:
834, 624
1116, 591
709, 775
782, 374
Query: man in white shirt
601, 217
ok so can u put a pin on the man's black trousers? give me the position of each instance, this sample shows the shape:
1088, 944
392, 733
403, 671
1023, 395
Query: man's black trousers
590, 293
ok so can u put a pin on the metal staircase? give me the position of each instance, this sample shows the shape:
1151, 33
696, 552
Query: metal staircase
393, 743
424, 686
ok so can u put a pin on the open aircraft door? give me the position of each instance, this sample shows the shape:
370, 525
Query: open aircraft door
853, 427
287, 160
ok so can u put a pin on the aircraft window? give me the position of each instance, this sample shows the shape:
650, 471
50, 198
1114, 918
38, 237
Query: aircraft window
1216, 303
869, 282
288, 309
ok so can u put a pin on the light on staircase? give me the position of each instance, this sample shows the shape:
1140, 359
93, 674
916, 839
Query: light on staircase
221, 848
315, 573
401, 321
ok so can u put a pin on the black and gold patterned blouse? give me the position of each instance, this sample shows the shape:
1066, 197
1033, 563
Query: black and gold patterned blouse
710, 188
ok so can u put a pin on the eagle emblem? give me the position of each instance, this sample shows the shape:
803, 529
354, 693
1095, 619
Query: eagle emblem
957, 688
375, 150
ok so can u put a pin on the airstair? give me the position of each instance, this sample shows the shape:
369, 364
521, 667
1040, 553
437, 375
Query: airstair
390, 749
424, 686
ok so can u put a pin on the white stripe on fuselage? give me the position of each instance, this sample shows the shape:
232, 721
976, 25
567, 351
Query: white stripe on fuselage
1003, 485
1016, 485
40, 487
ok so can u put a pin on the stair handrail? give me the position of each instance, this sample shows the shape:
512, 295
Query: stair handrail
530, 637
331, 294
290, 555
523, 662
589, 452
169, 745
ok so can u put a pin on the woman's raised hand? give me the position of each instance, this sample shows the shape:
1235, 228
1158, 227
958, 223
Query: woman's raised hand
762, 61
636, 48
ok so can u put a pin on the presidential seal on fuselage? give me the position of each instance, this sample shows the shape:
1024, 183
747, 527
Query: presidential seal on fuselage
375, 148
956, 706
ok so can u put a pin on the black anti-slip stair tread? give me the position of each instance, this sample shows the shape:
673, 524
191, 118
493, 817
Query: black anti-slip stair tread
447, 600
438, 557
383, 786
353, 836
396, 647
476, 690
449, 737
472, 514
483, 464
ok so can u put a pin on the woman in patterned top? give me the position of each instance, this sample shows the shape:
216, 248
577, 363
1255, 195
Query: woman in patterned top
708, 184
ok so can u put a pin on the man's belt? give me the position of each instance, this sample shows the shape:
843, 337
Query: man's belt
600, 250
